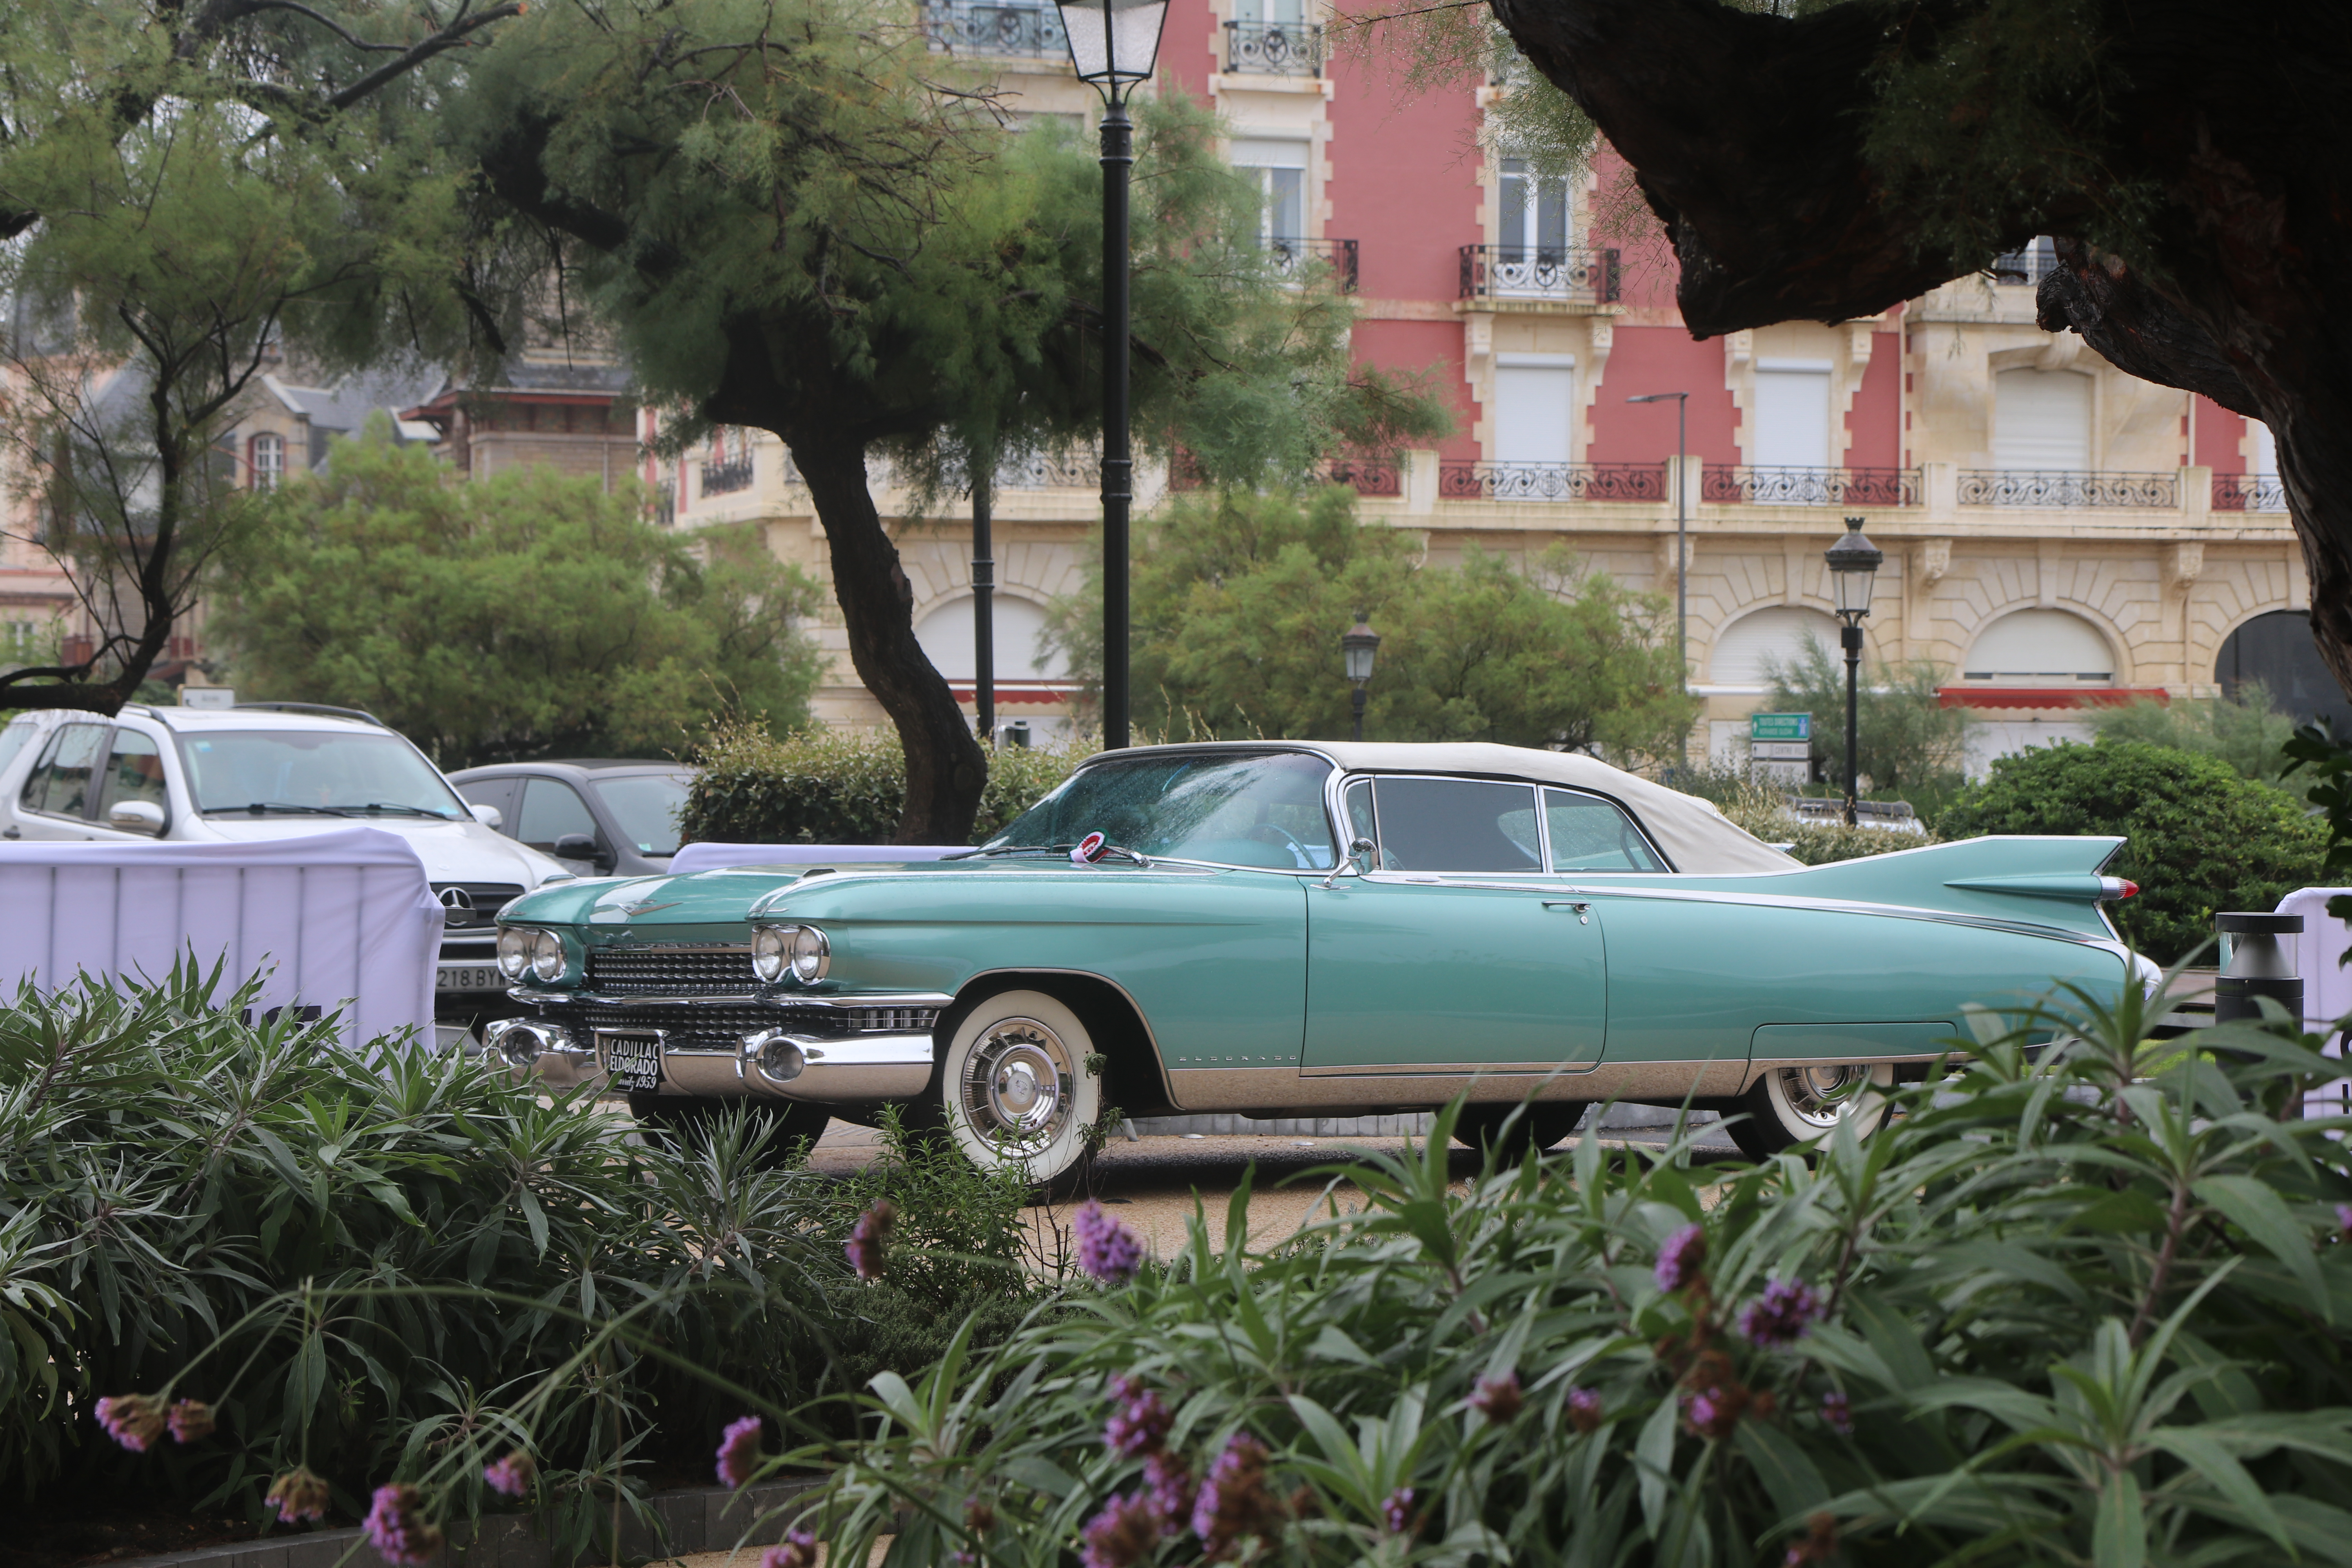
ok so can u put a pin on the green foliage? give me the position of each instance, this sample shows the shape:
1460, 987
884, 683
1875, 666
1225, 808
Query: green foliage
524, 614
822, 786
2201, 839
1905, 736
1763, 811
2083, 1305
2244, 730
358, 1255
1240, 600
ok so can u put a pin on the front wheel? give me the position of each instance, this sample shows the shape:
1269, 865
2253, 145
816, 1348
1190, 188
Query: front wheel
1793, 1105
1014, 1090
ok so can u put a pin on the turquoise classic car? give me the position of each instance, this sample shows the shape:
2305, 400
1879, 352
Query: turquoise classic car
1304, 928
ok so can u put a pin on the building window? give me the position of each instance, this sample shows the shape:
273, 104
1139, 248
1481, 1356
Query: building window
2040, 422
1755, 649
1278, 169
1535, 213
1535, 402
269, 460
1792, 414
2041, 648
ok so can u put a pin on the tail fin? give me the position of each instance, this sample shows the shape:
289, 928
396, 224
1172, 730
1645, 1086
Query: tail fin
2050, 881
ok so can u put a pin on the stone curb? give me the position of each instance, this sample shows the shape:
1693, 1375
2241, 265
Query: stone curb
695, 1519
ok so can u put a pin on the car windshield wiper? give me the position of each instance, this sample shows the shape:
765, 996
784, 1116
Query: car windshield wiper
1017, 849
263, 807
404, 810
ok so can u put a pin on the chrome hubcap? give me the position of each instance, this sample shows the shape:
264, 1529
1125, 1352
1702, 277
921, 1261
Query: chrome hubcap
1819, 1095
1017, 1085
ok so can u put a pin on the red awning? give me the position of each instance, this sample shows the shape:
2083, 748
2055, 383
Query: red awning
2049, 697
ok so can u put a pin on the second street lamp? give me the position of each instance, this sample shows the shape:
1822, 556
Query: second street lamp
1854, 566
1357, 646
1114, 44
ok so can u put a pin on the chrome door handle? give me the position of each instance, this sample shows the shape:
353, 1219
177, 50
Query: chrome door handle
1584, 910
12, 832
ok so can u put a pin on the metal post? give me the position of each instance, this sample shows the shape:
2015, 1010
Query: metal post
1850, 636
984, 590
1356, 702
1681, 540
1117, 466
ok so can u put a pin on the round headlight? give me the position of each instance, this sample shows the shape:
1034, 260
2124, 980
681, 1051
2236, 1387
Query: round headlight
514, 951
811, 955
771, 949
547, 956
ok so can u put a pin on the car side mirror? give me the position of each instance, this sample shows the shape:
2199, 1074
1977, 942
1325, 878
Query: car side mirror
487, 816
580, 847
1361, 857
135, 817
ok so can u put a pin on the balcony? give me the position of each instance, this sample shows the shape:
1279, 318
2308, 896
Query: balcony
1046, 471
1273, 48
1366, 476
2145, 491
1294, 259
2249, 492
1022, 32
727, 477
1810, 487
1552, 481
1514, 272
2029, 266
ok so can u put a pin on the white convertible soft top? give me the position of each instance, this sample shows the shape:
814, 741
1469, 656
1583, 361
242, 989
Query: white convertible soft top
1698, 839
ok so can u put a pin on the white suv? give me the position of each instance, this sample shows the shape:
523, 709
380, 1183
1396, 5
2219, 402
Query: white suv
270, 771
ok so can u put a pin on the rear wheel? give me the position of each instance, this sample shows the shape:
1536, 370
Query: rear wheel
1793, 1105
682, 1122
1538, 1127
1015, 1092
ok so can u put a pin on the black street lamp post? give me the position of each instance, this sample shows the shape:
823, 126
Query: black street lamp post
1357, 646
1114, 44
1853, 565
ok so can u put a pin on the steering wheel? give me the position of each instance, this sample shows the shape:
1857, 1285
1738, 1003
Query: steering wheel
1275, 833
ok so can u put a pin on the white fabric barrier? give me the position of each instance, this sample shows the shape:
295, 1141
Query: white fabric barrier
345, 916
2327, 984
720, 857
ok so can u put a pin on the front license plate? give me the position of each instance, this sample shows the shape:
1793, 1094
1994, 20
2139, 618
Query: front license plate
469, 977
634, 1060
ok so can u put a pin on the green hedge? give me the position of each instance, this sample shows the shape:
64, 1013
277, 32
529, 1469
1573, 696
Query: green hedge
844, 786
2202, 837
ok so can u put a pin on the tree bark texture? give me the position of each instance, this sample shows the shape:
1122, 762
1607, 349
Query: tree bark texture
1746, 135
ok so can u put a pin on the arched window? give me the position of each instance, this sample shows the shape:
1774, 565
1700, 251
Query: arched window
1747, 650
1016, 628
2275, 652
2041, 648
268, 456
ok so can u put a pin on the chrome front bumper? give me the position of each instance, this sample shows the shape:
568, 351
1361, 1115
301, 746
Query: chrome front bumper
775, 1063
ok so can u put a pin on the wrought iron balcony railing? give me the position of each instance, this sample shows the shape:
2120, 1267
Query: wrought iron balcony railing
1369, 476
725, 479
2152, 491
2028, 266
1273, 48
1294, 258
1030, 31
1810, 487
1046, 471
1552, 481
2249, 492
1524, 272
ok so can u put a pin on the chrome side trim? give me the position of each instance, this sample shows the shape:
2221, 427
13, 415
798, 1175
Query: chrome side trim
1457, 1069
1245, 1089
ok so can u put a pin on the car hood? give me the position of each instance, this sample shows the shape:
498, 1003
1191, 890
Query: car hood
452, 851
720, 896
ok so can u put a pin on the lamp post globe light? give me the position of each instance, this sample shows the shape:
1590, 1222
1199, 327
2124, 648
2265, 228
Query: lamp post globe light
1854, 566
1114, 44
1357, 646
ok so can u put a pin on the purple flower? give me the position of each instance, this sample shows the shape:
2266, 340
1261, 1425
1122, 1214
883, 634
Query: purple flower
1396, 1512
133, 1420
1681, 1258
397, 1531
299, 1495
797, 1550
1106, 1249
866, 1238
1838, 1412
1498, 1398
739, 1451
1819, 1545
1234, 1501
2343, 1220
1169, 1480
1126, 1528
512, 1476
1140, 1423
1784, 1314
1584, 1409
189, 1419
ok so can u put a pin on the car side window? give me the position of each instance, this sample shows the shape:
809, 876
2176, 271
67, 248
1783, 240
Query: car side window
551, 808
1589, 834
13, 739
134, 771
1362, 823
1456, 825
60, 782
498, 794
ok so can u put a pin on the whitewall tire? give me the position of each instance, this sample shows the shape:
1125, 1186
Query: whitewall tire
1793, 1105
1014, 1090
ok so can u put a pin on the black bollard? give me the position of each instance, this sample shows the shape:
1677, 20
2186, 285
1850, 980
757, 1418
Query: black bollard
2259, 966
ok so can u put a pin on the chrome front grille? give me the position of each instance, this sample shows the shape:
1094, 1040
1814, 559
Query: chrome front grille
892, 1020
700, 1026
672, 971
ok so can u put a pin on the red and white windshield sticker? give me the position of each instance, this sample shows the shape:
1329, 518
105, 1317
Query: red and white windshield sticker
1089, 849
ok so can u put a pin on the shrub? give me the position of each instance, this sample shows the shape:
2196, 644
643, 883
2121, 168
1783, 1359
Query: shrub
2200, 838
1763, 811
844, 786
2243, 731
2076, 1304
1905, 737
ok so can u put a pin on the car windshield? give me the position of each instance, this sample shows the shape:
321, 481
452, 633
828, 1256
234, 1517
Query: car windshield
647, 807
1264, 810
340, 771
